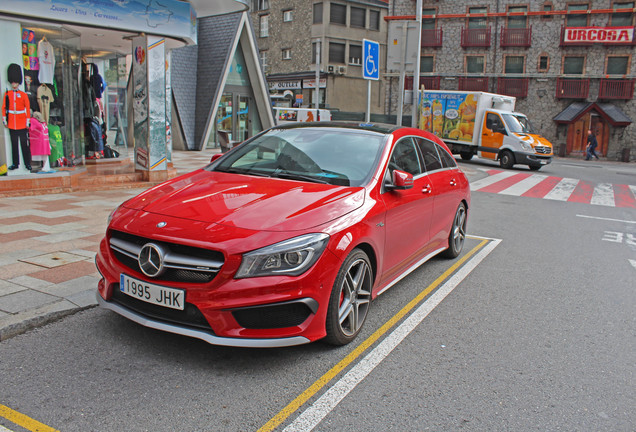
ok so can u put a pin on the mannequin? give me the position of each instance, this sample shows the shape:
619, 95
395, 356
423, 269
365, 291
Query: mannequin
16, 114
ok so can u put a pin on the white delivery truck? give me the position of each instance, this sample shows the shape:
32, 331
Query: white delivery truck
483, 124
284, 115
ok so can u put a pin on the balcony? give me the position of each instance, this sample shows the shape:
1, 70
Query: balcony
517, 87
572, 88
616, 89
473, 84
475, 38
431, 38
516, 37
429, 83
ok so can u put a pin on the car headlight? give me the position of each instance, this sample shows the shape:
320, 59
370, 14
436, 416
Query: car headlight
110, 216
526, 146
291, 257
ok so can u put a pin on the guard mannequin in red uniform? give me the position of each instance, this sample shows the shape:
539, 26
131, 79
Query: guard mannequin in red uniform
16, 114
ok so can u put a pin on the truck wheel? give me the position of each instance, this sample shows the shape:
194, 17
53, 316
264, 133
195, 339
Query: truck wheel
506, 159
466, 155
534, 167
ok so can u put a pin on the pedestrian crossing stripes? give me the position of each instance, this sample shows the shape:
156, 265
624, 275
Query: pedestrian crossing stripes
556, 188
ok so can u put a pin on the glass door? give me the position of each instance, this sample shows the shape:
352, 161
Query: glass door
243, 114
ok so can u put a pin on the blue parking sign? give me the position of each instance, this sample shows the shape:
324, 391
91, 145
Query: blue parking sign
371, 59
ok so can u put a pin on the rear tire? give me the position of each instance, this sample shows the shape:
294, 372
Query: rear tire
457, 234
466, 155
350, 299
506, 159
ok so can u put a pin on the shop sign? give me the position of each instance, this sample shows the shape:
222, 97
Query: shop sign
172, 18
311, 83
611, 35
284, 85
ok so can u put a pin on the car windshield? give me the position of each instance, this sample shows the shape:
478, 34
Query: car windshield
518, 123
331, 155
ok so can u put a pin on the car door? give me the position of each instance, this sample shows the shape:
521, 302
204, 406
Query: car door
492, 135
408, 212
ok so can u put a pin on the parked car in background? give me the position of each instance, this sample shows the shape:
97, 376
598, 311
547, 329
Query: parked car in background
287, 238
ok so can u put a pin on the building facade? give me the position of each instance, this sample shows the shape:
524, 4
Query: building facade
290, 33
570, 64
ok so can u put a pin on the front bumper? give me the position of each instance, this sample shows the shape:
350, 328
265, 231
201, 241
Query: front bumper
532, 159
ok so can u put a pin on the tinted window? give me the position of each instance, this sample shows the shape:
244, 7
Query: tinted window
448, 161
404, 157
317, 13
337, 14
431, 158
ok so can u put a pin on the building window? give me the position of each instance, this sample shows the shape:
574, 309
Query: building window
374, 20
547, 7
314, 47
287, 16
260, 5
336, 52
337, 14
475, 64
355, 54
617, 65
262, 55
428, 23
426, 63
576, 20
477, 22
286, 53
317, 13
264, 26
358, 17
573, 65
514, 64
517, 21
623, 19
544, 63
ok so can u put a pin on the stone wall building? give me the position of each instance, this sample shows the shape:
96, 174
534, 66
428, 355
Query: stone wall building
565, 80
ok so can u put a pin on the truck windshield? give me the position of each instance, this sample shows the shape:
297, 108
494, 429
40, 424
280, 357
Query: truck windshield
518, 123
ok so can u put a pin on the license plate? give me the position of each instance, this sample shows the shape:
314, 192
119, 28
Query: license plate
151, 293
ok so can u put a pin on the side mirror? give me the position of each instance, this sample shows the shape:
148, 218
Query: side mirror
401, 180
215, 156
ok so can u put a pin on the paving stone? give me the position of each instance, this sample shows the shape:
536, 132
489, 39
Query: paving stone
54, 259
25, 300
71, 287
29, 282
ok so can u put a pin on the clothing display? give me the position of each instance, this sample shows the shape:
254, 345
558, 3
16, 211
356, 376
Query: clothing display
45, 99
39, 137
46, 58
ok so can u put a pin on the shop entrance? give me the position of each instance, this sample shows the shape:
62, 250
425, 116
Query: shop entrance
234, 118
577, 134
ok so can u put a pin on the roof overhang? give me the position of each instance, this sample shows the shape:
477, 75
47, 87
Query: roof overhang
205, 8
609, 112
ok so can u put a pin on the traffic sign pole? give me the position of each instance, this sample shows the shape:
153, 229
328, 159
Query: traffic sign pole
370, 68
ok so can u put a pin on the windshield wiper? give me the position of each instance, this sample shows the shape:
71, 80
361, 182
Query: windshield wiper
293, 176
234, 170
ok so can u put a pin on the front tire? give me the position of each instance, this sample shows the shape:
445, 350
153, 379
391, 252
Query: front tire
350, 299
534, 167
457, 234
506, 159
466, 155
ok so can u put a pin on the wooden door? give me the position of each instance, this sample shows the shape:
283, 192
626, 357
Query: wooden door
577, 136
601, 130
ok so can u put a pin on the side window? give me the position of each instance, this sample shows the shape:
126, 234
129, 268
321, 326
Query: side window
494, 123
405, 158
448, 161
431, 158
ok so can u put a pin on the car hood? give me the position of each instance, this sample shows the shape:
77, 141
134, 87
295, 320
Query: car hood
255, 203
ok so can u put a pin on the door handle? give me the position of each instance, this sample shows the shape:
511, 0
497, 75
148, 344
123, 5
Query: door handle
426, 189
453, 182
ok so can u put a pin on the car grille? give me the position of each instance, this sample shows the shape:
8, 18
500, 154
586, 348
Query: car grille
190, 316
543, 149
182, 263
289, 314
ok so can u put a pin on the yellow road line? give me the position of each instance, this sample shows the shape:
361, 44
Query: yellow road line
300, 400
24, 421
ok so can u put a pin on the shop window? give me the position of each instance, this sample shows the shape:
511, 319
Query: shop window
544, 63
355, 54
623, 19
374, 20
358, 17
428, 23
617, 65
477, 22
317, 13
264, 26
426, 63
287, 54
576, 20
517, 21
287, 16
338, 14
514, 64
336, 52
475, 64
573, 65
547, 7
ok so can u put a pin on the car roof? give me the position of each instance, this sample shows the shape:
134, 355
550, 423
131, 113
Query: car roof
373, 127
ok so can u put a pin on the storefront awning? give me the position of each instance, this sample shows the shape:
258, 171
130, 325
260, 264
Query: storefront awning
205, 8
610, 112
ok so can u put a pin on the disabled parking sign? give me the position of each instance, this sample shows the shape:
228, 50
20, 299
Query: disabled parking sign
371, 59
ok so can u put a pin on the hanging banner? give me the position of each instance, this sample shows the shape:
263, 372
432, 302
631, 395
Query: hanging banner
611, 35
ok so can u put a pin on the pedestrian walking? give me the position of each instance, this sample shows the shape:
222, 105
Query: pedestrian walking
591, 146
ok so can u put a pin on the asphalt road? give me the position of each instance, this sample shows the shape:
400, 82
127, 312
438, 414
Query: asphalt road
539, 335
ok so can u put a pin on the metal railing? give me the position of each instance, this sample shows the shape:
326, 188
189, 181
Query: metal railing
429, 83
432, 38
616, 89
516, 37
517, 87
473, 84
572, 88
475, 37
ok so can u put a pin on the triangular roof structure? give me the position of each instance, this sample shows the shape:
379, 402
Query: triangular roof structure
610, 112
199, 74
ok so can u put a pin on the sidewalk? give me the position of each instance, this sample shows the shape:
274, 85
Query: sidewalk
47, 250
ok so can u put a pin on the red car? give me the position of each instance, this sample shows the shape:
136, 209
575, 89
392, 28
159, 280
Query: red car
288, 237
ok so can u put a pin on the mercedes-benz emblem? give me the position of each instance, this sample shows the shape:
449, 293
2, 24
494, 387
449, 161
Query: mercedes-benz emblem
151, 260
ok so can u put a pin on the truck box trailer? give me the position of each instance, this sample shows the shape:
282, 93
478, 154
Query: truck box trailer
483, 124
